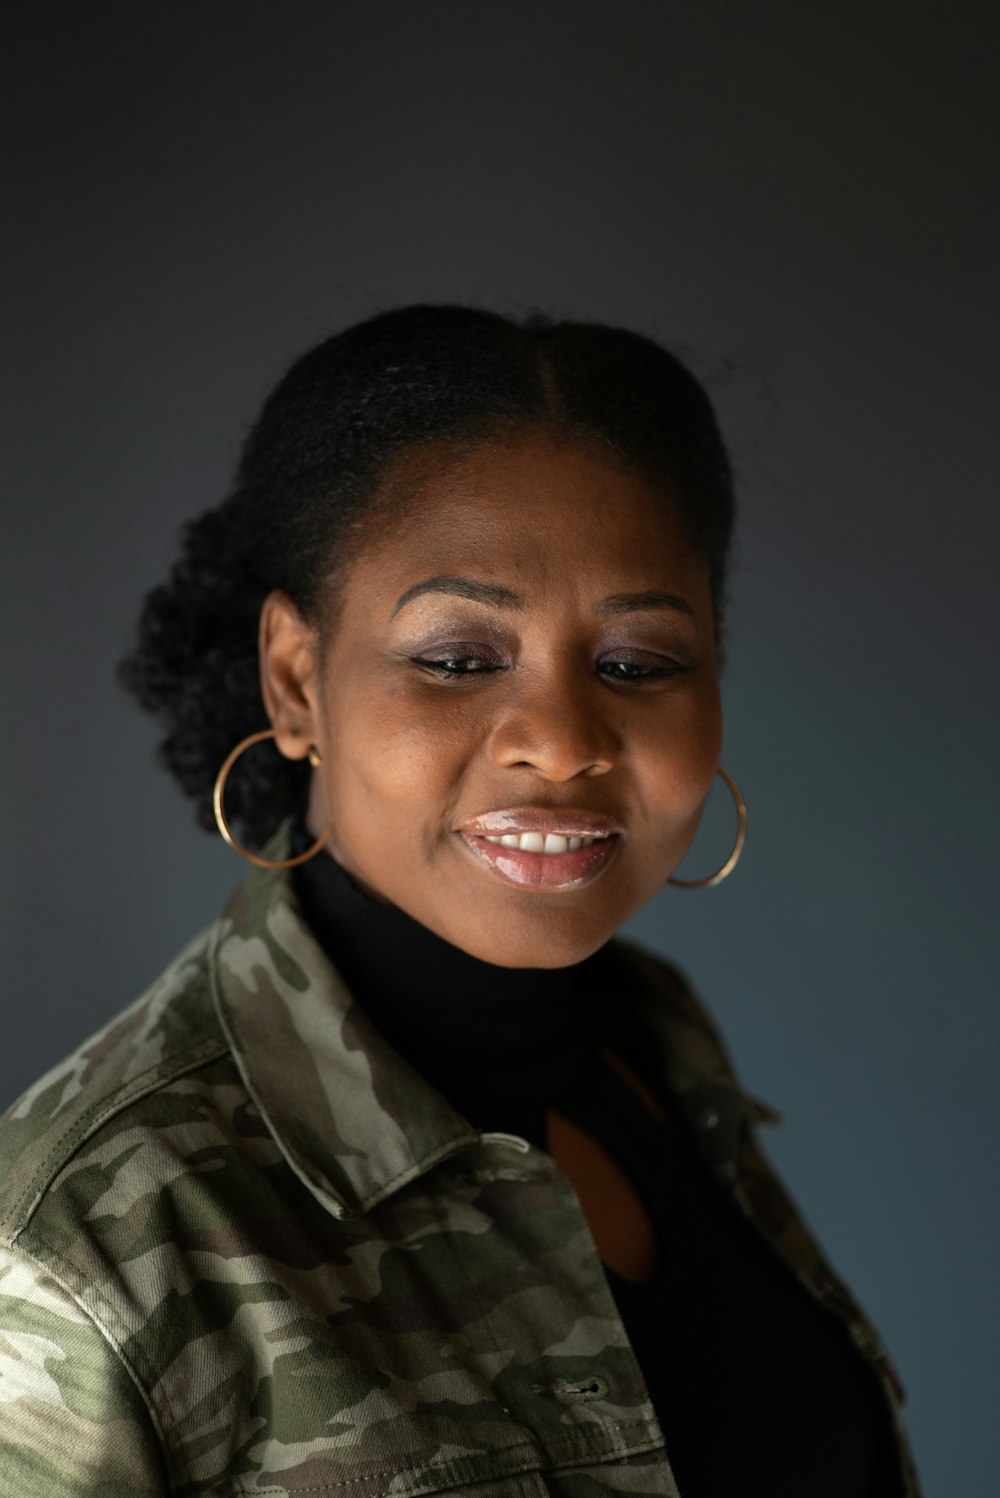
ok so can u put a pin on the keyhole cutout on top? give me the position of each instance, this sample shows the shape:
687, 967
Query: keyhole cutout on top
617, 1217
619, 1222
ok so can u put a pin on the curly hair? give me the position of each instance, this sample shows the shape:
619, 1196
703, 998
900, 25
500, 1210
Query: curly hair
309, 475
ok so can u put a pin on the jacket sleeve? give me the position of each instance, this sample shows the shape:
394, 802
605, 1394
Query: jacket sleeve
72, 1422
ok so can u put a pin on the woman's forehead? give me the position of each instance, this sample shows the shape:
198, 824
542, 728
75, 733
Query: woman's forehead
526, 492
529, 517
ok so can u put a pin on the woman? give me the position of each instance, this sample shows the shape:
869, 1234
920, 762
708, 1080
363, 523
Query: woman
407, 1176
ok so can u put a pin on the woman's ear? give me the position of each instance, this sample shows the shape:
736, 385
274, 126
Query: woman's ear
289, 681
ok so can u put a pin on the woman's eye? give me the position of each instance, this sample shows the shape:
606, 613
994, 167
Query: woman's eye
455, 663
638, 671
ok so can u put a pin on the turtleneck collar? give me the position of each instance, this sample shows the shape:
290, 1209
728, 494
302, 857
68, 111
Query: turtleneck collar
497, 1042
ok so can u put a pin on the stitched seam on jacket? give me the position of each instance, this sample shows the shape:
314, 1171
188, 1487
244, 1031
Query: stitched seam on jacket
124, 1331
420, 1168
109, 1337
569, 1463
410, 1466
98, 1114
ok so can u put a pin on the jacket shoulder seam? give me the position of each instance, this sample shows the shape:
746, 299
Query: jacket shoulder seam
93, 1119
56, 1269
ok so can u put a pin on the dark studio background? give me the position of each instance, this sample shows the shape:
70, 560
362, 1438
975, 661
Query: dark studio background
800, 197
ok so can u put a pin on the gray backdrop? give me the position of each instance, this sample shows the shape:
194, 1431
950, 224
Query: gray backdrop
802, 198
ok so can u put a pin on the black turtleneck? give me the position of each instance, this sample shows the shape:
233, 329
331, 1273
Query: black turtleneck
467, 1026
756, 1386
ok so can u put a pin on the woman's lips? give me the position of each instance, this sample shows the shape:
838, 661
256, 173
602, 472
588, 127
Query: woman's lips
542, 871
564, 821
580, 844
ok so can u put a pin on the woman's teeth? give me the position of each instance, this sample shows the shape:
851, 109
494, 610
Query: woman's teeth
542, 842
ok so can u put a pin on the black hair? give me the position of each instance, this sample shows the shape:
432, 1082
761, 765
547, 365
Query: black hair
309, 475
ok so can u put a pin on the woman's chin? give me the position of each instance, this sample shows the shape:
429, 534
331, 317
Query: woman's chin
553, 944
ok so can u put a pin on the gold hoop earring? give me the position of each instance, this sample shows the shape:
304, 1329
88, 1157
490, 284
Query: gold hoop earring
741, 837
220, 816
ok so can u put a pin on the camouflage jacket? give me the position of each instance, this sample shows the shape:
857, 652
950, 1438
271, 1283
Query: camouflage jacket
246, 1249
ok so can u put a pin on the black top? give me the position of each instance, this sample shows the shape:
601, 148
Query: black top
756, 1385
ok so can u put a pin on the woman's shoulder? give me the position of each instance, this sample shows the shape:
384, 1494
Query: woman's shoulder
104, 1088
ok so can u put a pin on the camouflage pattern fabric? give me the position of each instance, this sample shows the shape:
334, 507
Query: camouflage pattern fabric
246, 1249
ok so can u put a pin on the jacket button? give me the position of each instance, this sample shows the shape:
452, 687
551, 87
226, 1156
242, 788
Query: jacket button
708, 1119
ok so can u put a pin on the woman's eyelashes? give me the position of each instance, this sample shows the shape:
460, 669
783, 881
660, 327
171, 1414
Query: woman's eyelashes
633, 671
458, 661
624, 668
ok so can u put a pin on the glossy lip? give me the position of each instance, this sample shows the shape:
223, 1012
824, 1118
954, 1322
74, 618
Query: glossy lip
542, 871
567, 823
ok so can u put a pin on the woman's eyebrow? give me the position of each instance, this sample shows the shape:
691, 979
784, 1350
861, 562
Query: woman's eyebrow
636, 603
505, 598
462, 587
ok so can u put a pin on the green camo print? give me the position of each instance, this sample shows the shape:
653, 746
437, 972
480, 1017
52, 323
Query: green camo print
246, 1249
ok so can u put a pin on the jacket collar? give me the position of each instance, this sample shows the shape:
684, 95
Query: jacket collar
354, 1120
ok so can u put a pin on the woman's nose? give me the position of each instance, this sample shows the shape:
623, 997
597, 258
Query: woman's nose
558, 730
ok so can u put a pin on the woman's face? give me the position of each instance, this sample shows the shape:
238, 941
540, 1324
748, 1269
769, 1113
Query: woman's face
518, 710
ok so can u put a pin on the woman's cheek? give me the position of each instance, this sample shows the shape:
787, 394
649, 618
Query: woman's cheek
404, 763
